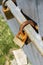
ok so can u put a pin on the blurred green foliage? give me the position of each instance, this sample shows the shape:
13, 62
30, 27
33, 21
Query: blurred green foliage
6, 40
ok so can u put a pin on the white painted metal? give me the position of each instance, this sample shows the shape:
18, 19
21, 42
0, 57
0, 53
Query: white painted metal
16, 12
29, 7
20, 57
34, 37
19, 42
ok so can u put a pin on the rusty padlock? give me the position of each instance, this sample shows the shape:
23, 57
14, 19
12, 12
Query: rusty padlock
22, 37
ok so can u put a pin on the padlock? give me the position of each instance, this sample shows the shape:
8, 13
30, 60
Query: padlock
6, 10
20, 39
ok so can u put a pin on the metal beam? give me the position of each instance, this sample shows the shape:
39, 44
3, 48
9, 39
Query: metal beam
34, 37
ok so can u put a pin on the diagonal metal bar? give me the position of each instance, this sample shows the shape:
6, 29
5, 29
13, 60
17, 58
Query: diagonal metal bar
34, 37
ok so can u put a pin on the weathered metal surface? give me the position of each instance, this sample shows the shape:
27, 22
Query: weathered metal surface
29, 7
16, 12
34, 37
40, 15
